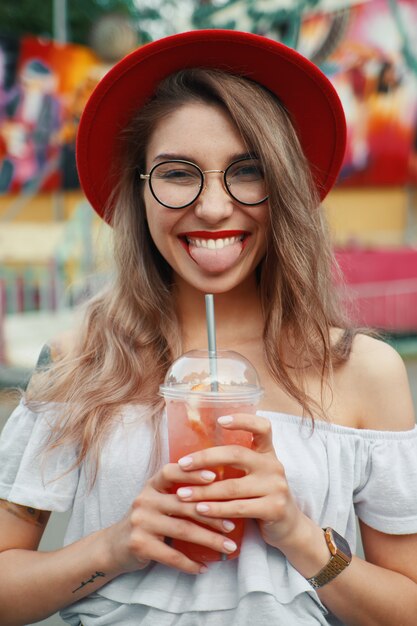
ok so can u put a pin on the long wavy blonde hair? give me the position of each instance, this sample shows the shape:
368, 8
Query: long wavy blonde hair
130, 332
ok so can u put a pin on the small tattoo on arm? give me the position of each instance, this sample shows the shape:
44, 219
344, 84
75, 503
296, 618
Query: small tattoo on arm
90, 580
45, 358
25, 513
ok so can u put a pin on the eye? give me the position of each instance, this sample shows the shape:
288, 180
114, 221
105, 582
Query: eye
177, 173
246, 171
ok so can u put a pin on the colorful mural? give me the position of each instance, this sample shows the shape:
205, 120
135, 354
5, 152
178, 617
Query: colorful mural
379, 91
364, 46
43, 87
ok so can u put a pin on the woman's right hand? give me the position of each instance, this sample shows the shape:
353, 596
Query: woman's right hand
156, 515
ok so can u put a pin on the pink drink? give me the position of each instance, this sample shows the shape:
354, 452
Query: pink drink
195, 397
190, 435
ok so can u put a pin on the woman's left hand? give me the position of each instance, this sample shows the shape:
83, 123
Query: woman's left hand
262, 493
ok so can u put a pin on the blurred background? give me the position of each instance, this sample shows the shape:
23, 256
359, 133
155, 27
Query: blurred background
54, 252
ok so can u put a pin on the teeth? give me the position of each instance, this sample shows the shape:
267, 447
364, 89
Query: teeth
214, 244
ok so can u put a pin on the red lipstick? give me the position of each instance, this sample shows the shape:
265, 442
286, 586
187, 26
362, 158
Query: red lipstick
218, 234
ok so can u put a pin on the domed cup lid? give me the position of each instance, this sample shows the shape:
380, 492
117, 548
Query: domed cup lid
191, 375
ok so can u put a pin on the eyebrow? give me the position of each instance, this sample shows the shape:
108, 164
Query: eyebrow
172, 156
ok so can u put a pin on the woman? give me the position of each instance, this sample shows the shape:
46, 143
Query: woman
212, 183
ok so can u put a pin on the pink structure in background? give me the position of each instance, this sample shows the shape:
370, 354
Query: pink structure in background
381, 287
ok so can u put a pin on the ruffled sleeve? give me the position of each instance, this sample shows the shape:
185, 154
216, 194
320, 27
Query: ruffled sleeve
386, 498
28, 474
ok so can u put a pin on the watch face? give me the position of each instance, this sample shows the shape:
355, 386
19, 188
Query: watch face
342, 544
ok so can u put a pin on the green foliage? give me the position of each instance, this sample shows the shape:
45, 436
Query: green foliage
22, 17
281, 20
406, 48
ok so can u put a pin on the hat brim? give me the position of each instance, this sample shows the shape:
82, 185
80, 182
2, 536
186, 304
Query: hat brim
307, 94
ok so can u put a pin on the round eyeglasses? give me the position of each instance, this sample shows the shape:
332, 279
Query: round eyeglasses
176, 184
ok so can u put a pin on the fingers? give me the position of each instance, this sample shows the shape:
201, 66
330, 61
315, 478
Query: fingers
157, 514
260, 427
213, 458
266, 508
237, 508
254, 485
242, 472
159, 498
227, 489
251, 482
241, 494
186, 530
149, 530
172, 474
147, 546
245, 459
162, 553
173, 507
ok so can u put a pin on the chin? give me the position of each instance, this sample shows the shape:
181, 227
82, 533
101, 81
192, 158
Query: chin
218, 283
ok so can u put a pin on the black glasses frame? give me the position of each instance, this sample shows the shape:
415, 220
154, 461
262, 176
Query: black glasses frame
202, 173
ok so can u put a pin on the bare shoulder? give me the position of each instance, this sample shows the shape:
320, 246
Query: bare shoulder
377, 375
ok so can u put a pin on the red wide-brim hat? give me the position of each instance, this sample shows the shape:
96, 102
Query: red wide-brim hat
309, 97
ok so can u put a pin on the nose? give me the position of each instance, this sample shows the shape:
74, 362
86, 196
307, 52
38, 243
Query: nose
214, 203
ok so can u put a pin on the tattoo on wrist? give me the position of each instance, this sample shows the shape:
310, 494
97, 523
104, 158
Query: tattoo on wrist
25, 513
90, 580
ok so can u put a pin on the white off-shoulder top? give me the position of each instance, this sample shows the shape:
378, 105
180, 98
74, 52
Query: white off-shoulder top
335, 473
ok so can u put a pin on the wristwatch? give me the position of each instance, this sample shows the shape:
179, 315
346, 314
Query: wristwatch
341, 556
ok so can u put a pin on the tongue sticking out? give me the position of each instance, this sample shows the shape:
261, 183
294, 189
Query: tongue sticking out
217, 260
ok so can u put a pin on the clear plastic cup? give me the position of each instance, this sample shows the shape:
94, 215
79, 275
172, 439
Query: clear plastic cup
197, 392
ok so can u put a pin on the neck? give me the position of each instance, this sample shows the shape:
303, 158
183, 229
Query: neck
238, 316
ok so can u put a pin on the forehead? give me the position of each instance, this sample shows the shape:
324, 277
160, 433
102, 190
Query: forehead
195, 128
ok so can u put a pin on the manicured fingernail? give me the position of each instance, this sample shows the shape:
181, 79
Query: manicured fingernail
230, 546
228, 525
185, 461
202, 508
203, 569
184, 492
207, 475
225, 419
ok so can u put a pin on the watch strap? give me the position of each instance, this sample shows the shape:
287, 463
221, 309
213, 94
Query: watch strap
337, 563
